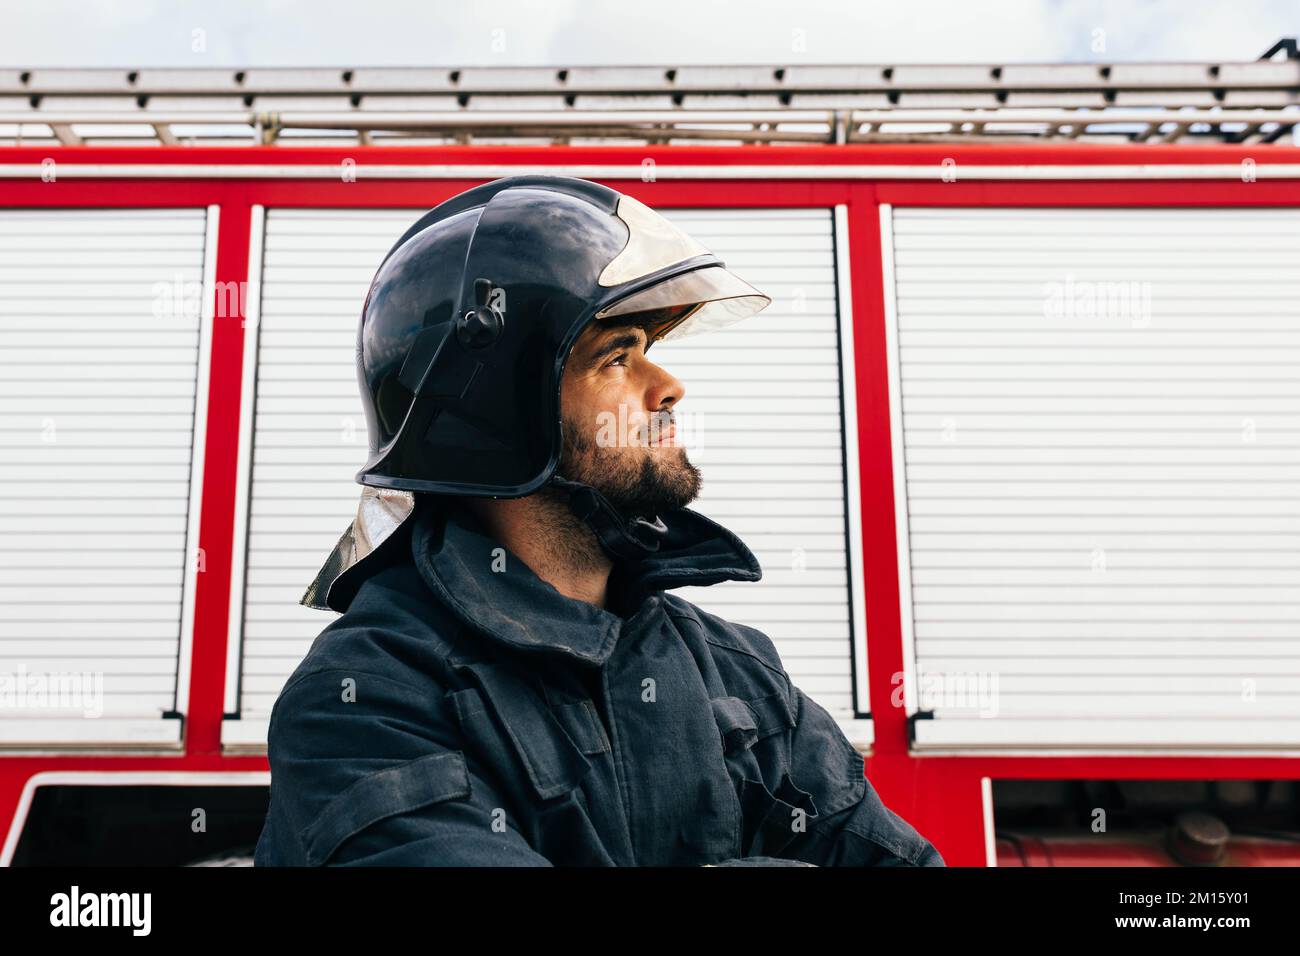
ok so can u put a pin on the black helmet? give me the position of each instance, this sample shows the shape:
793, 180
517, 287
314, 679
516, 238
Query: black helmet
466, 328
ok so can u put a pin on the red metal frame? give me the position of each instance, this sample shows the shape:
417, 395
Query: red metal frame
940, 794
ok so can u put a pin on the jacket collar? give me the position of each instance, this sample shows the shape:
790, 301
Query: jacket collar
455, 556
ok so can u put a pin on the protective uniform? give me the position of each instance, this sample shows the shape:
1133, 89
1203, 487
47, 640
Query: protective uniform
461, 710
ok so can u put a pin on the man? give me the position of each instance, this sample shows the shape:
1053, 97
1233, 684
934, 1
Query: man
510, 681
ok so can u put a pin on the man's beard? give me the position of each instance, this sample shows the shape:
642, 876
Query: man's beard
638, 480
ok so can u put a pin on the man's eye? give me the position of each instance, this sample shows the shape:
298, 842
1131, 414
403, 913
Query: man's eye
619, 359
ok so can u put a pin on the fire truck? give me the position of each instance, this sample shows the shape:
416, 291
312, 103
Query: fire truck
1017, 443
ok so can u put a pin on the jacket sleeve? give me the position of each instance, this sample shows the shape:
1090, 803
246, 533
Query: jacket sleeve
852, 827
380, 780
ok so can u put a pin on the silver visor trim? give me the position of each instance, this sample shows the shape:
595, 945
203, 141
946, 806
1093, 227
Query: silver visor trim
653, 243
723, 297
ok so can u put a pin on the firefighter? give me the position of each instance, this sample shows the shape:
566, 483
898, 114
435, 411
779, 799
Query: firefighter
510, 680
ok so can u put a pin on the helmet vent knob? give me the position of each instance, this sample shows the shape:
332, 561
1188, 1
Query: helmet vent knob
480, 327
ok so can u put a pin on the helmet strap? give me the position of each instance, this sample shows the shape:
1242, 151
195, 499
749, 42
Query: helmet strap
621, 538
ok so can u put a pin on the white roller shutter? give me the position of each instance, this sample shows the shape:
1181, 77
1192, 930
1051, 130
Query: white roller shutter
103, 348
307, 439
1099, 444
765, 396
782, 492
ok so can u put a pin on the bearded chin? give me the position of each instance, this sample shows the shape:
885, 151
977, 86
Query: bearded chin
636, 482
658, 488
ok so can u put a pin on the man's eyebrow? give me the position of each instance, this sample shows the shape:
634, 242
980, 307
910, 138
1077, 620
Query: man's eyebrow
624, 340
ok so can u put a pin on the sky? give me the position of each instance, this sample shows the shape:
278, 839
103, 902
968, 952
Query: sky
358, 33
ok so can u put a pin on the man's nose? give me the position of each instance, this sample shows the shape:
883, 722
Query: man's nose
666, 391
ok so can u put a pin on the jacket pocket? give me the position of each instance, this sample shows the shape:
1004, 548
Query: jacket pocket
581, 722
539, 757
385, 793
514, 730
774, 819
769, 820
742, 723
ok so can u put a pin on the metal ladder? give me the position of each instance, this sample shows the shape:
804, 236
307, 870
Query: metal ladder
1254, 102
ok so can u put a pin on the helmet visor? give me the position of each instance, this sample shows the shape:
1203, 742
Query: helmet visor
698, 301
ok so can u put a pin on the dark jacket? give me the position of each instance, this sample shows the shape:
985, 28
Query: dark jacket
464, 712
